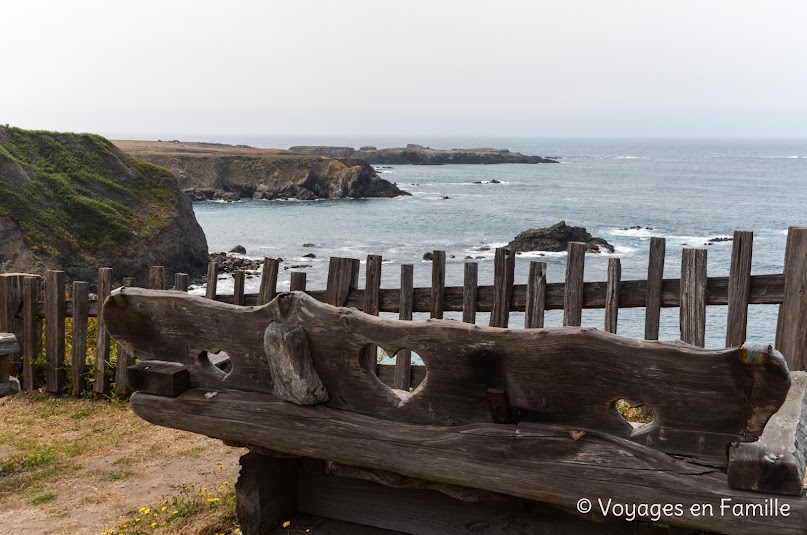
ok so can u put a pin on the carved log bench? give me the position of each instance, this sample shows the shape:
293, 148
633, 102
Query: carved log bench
8, 346
509, 432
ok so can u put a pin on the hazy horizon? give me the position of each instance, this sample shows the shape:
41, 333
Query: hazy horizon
584, 69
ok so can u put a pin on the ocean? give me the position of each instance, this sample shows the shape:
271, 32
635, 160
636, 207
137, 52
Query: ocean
685, 191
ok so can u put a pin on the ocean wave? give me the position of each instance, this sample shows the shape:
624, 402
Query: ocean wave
633, 232
628, 157
542, 254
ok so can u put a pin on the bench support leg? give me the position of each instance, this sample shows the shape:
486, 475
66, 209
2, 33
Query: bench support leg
266, 492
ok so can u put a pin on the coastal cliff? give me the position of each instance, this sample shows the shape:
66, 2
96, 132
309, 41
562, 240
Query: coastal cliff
419, 155
209, 171
76, 202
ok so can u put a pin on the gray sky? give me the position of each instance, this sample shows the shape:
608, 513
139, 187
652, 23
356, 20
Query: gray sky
613, 68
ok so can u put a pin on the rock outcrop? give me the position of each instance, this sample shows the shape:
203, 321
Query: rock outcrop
209, 171
556, 238
76, 202
419, 155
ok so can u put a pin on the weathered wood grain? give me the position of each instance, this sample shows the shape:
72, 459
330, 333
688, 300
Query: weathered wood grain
32, 330
775, 463
791, 329
612, 295
10, 310
438, 284
536, 296
573, 289
125, 358
293, 376
268, 290
427, 512
470, 285
266, 492
297, 281
340, 281
403, 358
503, 275
719, 400
103, 342
653, 290
238, 286
372, 287
8, 346
78, 351
693, 296
156, 278
539, 462
739, 288
213, 280
181, 282
54, 330
159, 378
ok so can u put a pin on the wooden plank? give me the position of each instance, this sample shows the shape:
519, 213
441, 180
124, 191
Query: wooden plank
297, 281
32, 331
340, 277
739, 288
54, 330
503, 275
125, 357
536, 296
212, 280
775, 463
438, 284
402, 378
78, 353
791, 330
372, 287
573, 290
700, 406
159, 378
421, 511
157, 278
469, 289
612, 295
693, 296
238, 286
181, 282
655, 280
103, 346
10, 308
271, 268
538, 462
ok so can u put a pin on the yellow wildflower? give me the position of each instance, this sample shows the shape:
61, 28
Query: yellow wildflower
286, 524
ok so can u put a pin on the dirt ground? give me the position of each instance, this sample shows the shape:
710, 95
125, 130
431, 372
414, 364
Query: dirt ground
77, 466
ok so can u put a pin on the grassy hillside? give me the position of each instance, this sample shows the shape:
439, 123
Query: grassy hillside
76, 192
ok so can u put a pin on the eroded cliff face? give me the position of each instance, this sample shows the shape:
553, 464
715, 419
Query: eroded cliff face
76, 202
211, 171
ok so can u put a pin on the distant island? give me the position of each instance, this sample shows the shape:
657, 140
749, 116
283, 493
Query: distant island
212, 171
420, 155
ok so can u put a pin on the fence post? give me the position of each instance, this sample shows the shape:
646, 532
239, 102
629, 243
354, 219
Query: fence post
403, 359
181, 282
438, 284
693, 296
10, 304
32, 330
102, 347
54, 330
212, 280
536, 296
739, 290
573, 289
238, 287
340, 280
470, 288
791, 329
297, 281
372, 288
612, 295
503, 275
157, 278
78, 353
124, 358
271, 267
655, 279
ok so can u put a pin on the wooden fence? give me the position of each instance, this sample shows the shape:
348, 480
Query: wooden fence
27, 300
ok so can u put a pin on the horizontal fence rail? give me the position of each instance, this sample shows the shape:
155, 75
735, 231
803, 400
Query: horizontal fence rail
25, 301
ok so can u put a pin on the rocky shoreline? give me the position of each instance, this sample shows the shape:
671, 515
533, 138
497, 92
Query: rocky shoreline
420, 155
210, 171
556, 238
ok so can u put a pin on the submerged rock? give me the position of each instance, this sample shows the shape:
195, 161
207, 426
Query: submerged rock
238, 249
556, 238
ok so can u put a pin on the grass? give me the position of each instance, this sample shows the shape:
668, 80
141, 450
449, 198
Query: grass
78, 192
92, 461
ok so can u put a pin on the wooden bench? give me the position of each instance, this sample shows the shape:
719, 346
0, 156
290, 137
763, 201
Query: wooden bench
509, 433
8, 346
